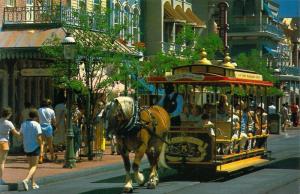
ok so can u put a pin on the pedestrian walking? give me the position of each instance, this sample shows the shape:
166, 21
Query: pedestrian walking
294, 116
272, 109
47, 121
6, 126
32, 140
59, 138
285, 116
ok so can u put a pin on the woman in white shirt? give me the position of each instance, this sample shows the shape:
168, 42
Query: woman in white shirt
6, 126
47, 121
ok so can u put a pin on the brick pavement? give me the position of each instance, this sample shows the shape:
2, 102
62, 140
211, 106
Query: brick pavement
16, 167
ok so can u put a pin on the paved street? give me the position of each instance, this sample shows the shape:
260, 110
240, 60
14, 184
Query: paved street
282, 175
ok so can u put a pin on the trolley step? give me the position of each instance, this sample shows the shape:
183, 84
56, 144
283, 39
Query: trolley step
241, 164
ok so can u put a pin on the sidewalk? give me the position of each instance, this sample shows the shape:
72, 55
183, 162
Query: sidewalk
16, 168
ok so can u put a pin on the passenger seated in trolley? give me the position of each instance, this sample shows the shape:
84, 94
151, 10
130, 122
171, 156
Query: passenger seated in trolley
261, 124
207, 124
185, 115
222, 108
195, 113
248, 121
235, 119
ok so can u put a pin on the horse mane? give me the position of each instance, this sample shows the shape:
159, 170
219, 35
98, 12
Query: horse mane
127, 106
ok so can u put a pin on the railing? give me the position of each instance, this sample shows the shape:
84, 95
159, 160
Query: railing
51, 15
290, 70
256, 28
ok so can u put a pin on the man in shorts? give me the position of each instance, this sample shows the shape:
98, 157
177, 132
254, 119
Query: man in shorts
47, 121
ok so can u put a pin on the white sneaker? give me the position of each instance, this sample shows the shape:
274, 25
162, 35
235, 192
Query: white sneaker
25, 184
35, 186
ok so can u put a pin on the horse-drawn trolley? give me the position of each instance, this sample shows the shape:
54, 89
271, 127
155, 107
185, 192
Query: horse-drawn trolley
223, 122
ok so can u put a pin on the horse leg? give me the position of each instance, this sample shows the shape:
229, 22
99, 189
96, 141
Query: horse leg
139, 154
153, 156
128, 181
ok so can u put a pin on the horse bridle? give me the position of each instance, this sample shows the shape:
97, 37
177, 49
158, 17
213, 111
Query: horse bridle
120, 113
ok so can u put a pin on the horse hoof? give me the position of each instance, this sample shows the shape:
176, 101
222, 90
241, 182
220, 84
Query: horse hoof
128, 190
151, 185
140, 179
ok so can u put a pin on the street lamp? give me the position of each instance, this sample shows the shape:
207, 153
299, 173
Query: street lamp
69, 55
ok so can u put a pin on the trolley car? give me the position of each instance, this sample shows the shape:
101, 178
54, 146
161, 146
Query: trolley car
189, 145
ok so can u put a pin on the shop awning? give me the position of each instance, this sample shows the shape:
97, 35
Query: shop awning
19, 44
189, 20
171, 15
269, 12
271, 51
195, 18
28, 38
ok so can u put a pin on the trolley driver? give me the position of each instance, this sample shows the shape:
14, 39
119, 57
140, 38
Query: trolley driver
172, 102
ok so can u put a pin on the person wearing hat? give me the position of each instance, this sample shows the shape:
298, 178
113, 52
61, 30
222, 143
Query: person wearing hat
172, 102
261, 124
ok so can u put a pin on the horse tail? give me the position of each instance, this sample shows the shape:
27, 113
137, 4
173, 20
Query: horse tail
162, 118
162, 158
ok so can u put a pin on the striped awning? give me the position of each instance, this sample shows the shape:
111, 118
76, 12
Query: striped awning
188, 20
171, 15
195, 18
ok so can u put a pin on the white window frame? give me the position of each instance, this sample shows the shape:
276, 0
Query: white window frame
10, 3
127, 30
135, 26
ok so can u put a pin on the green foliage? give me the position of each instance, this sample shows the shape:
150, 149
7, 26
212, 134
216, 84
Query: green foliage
99, 61
272, 91
187, 54
212, 44
253, 61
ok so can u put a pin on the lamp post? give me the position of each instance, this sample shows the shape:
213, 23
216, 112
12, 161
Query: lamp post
276, 73
69, 55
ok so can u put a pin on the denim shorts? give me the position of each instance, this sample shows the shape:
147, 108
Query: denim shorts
47, 130
36, 152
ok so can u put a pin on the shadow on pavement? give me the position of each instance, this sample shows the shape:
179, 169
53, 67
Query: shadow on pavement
289, 163
115, 190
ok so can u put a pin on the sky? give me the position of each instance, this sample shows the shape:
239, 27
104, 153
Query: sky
289, 8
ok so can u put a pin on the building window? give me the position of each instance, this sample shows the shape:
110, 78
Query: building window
82, 4
238, 8
97, 5
10, 3
250, 8
29, 2
135, 26
127, 24
117, 14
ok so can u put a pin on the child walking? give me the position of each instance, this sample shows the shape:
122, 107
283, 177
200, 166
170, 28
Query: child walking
32, 139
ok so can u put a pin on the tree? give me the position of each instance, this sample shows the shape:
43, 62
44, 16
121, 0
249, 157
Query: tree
188, 44
253, 61
101, 60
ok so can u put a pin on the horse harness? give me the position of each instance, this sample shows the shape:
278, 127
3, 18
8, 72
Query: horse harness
136, 124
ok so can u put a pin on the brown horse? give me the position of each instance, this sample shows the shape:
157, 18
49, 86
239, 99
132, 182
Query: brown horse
138, 130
